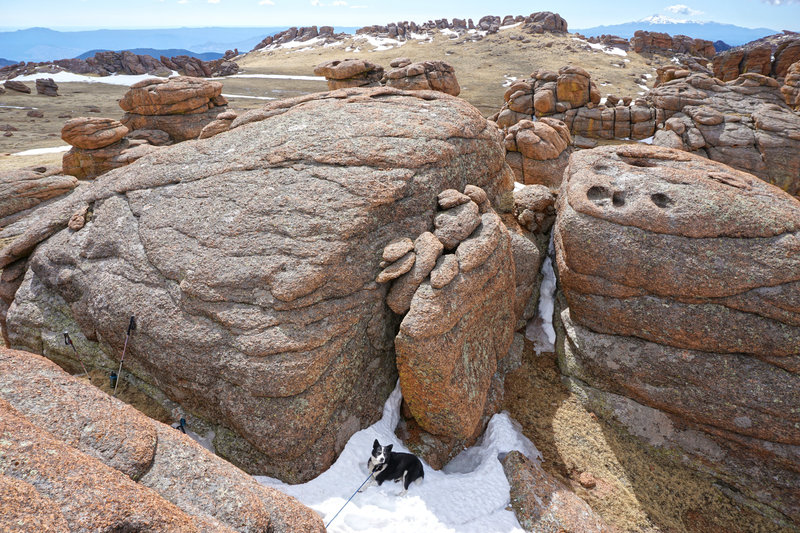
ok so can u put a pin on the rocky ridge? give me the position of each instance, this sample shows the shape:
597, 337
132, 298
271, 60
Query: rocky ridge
109, 63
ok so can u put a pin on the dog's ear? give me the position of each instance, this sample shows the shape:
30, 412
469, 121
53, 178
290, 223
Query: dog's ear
376, 444
388, 449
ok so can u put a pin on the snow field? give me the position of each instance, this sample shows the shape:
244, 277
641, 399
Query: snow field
470, 495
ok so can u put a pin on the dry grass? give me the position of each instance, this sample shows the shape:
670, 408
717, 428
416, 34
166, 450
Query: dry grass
638, 489
482, 67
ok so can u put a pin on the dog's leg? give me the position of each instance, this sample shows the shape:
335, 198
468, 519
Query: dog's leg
370, 483
405, 484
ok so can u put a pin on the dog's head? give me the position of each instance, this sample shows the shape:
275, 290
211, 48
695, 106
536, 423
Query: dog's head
380, 454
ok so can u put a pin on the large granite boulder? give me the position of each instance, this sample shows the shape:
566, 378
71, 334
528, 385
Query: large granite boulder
250, 258
90, 163
538, 151
344, 73
101, 464
422, 76
682, 279
90, 133
791, 86
181, 106
21, 190
744, 123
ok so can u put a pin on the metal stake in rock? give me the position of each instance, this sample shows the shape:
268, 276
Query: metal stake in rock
68, 342
131, 327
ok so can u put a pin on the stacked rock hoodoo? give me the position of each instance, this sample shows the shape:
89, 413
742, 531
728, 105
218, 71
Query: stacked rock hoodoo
661, 343
180, 106
791, 86
451, 285
249, 260
344, 73
538, 152
98, 145
744, 123
422, 76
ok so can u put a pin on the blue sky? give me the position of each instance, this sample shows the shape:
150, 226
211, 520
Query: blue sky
93, 14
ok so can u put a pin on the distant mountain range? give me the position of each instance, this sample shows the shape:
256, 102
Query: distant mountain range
170, 52
712, 31
43, 44
5, 62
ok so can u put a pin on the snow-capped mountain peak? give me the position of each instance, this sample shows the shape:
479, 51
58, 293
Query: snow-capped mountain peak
662, 19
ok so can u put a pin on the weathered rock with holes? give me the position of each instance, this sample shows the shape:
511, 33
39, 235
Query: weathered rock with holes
181, 106
249, 260
744, 123
694, 268
424, 76
164, 463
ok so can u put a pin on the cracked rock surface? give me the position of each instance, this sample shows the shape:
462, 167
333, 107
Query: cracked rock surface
249, 260
682, 277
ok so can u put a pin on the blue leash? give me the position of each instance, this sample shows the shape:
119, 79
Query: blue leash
348, 501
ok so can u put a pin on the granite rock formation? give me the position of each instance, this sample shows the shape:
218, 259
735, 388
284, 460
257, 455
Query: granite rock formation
744, 123
458, 324
538, 151
791, 86
422, 76
651, 41
249, 259
107, 63
542, 504
180, 106
46, 87
765, 56
346, 73
90, 163
570, 96
17, 86
681, 277
21, 190
90, 133
98, 464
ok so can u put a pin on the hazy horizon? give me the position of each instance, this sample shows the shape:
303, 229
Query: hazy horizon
92, 15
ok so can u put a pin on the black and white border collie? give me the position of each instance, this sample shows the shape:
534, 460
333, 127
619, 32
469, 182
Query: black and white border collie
386, 464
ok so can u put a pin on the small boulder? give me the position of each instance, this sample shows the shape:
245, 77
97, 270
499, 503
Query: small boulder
92, 133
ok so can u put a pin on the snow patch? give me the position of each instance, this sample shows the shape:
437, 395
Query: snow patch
40, 151
647, 140
380, 43
469, 495
17, 107
613, 50
509, 80
69, 77
511, 26
540, 329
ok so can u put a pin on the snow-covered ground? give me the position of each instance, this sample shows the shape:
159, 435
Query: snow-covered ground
613, 50
40, 151
471, 494
540, 328
380, 43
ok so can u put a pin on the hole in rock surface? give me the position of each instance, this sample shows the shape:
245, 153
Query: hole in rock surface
661, 200
618, 199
